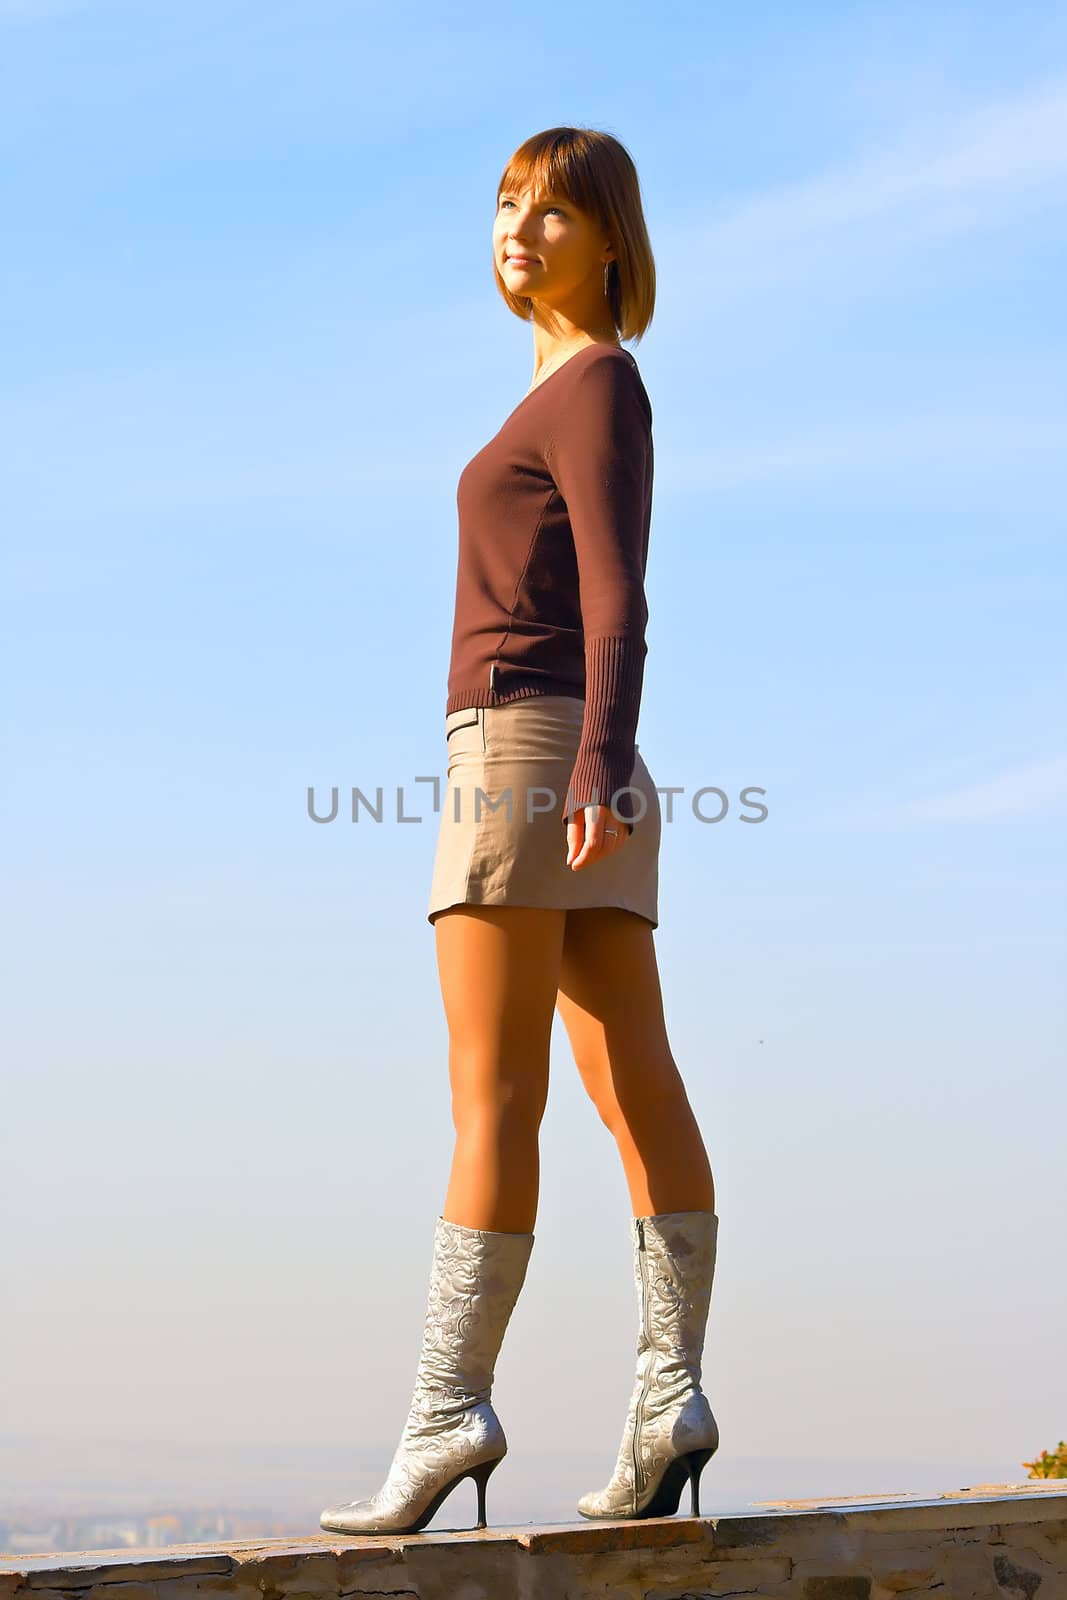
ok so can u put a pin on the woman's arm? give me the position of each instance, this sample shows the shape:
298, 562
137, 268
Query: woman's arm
600, 458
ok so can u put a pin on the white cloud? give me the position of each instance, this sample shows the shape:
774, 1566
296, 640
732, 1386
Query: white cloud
1037, 789
973, 172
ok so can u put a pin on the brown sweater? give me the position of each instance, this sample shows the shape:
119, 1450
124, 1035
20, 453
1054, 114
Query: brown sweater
554, 517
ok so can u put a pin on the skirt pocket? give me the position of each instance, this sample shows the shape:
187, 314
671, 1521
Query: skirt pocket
465, 733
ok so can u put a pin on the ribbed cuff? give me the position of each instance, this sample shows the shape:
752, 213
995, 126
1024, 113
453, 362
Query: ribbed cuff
614, 672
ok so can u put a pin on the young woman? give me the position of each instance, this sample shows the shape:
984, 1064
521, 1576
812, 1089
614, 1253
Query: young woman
545, 879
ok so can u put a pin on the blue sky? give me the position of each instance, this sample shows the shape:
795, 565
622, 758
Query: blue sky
250, 338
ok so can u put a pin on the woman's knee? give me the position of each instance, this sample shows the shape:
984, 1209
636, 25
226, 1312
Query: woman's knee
594, 1069
634, 1099
501, 1104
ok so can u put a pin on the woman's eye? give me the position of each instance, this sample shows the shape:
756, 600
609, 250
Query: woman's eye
560, 209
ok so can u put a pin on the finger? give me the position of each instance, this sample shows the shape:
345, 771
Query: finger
587, 851
586, 854
593, 844
575, 838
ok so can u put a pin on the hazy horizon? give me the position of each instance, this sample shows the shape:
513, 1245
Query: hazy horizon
531, 1486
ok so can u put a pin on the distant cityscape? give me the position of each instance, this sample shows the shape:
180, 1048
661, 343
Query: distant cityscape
64, 1493
35, 1533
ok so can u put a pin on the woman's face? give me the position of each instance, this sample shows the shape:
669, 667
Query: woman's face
546, 248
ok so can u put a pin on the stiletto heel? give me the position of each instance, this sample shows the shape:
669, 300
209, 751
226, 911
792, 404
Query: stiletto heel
696, 1461
480, 1474
481, 1478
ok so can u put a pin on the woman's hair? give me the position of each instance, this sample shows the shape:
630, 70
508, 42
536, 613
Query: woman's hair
597, 175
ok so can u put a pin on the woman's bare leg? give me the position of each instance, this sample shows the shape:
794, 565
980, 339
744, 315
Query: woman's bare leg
612, 1007
499, 972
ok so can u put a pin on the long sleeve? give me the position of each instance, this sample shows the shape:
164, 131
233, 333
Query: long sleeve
600, 457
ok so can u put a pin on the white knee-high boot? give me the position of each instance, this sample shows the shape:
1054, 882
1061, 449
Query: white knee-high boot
670, 1430
452, 1431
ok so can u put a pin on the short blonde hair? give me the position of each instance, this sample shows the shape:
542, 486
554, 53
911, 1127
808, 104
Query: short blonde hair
597, 175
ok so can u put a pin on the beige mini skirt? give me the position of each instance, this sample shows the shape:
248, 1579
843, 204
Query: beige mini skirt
502, 840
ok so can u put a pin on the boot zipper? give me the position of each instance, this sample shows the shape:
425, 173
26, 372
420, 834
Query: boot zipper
648, 1364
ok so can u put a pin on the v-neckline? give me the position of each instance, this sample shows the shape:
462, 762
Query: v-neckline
597, 344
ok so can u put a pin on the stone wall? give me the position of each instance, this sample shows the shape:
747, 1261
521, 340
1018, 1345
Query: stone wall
1004, 1542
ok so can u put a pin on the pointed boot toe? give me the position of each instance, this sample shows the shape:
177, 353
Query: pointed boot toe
597, 1504
348, 1516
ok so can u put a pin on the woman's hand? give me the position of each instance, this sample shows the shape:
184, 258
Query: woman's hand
589, 838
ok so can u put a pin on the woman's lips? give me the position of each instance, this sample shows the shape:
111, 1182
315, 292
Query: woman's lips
523, 261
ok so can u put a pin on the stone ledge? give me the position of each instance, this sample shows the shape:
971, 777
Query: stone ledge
989, 1542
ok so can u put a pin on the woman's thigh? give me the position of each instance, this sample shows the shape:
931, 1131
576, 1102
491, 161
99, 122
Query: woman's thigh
499, 969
